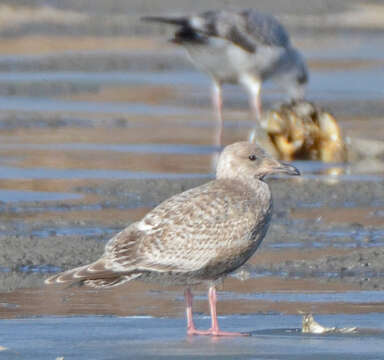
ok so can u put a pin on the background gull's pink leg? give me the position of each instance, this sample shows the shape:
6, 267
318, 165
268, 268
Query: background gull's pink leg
253, 87
217, 101
256, 107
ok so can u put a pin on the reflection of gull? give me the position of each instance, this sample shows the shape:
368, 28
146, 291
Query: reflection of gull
197, 236
244, 47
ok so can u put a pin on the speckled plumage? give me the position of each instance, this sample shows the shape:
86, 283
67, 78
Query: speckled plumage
199, 235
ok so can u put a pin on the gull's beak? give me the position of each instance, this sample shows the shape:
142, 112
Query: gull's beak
287, 169
276, 167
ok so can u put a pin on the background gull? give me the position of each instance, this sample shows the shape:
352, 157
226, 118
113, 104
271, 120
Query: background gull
245, 47
200, 235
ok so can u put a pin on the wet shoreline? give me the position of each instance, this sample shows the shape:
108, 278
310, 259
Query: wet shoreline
100, 122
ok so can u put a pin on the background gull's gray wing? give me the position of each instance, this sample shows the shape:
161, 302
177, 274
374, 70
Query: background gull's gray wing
247, 28
265, 29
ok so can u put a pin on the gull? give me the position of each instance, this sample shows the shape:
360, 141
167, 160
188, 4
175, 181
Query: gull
198, 236
243, 47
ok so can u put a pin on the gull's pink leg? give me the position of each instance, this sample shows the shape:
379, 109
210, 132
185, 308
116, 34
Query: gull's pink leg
214, 330
191, 330
217, 101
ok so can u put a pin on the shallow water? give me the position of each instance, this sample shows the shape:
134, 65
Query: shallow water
7, 172
273, 337
9, 196
329, 84
348, 296
184, 149
38, 105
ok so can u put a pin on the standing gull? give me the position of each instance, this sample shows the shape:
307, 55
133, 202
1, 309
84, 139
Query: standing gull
198, 236
244, 47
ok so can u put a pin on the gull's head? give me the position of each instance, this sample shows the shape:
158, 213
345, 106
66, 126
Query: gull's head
244, 161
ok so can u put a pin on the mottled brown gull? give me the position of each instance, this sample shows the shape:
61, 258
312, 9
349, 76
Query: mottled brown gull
245, 47
200, 235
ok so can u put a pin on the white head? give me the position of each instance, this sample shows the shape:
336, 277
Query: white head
246, 161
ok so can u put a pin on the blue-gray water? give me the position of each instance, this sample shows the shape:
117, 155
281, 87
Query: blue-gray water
9, 196
276, 337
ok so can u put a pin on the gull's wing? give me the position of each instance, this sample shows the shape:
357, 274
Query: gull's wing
247, 29
204, 226
183, 234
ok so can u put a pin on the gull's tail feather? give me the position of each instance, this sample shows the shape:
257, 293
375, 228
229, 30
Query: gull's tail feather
95, 275
180, 21
108, 283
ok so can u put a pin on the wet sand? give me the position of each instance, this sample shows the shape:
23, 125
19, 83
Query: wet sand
98, 125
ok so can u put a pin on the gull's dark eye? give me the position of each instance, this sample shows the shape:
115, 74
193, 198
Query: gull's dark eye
252, 157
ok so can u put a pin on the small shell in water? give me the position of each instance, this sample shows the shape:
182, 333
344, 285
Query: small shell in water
310, 326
